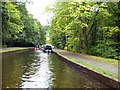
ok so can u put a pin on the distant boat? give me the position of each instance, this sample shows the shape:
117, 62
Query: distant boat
47, 48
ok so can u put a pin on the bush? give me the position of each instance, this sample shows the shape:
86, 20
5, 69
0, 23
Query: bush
103, 51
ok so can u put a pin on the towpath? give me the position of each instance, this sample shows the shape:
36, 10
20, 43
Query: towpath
96, 63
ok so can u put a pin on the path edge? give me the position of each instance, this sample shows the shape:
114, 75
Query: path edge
14, 51
100, 77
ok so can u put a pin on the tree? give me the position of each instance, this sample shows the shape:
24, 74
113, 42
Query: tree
86, 27
19, 27
12, 23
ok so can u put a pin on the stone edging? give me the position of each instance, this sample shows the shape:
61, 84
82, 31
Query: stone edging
101, 78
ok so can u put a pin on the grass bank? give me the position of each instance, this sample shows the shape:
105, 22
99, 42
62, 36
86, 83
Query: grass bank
105, 60
101, 71
2, 50
100, 59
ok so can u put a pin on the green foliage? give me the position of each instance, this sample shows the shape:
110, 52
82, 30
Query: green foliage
101, 50
12, 24
87, 27
20, 28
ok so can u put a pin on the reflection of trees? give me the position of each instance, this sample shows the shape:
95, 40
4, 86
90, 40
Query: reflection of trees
29, 63
14, 66
66, 76
62, 73
12, 71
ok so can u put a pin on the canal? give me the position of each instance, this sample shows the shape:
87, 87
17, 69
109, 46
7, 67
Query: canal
35, 69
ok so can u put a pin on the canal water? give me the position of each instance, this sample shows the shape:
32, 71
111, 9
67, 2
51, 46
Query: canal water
35, 69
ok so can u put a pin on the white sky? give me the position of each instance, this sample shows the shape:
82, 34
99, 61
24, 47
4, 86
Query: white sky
37, 10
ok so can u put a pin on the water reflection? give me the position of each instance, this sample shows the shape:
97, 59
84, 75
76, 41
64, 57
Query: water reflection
66, 76
39, 75
35, 69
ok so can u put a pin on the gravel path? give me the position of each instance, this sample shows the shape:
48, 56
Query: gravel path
111, 68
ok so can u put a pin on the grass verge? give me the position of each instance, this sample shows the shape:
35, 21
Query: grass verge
105, 60
11, 49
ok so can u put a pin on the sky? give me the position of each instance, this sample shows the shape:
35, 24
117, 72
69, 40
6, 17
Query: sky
37, 9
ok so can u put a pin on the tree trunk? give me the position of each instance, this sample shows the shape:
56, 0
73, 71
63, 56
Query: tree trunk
85, 40
80, 44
